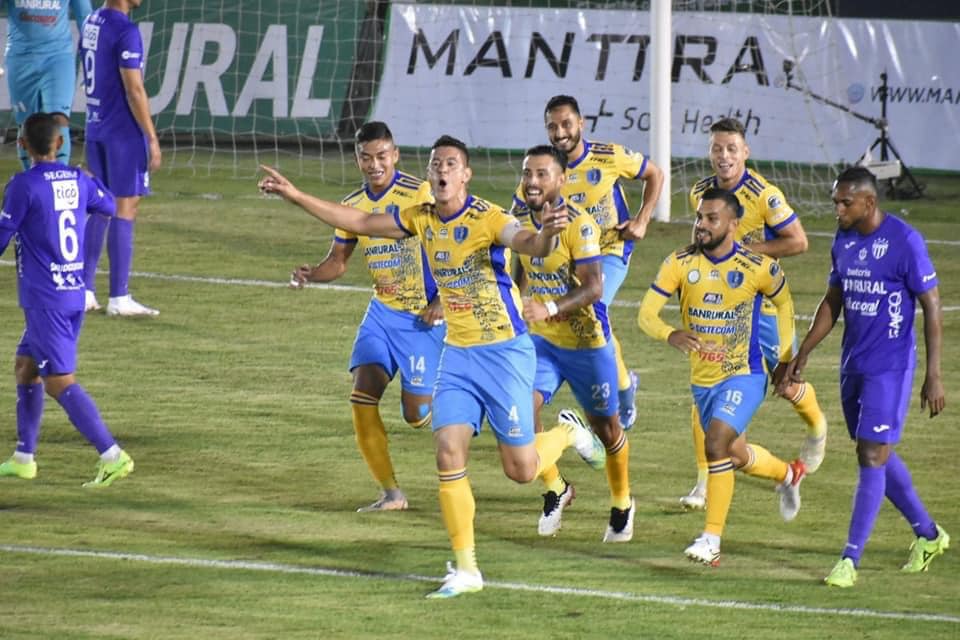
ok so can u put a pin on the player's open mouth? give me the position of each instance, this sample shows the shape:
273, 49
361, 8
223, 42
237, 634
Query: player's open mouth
441, 183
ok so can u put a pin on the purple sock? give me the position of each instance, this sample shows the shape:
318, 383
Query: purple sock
866, 506
904, 497
93, 237
29, 413
120, 250
84, 415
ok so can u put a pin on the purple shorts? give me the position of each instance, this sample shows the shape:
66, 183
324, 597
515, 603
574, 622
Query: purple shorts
50, 338
875, 406
121, 164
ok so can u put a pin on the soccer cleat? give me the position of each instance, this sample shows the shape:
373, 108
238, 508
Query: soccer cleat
628, 403
704, 552
789, 491
696, 500
923, 551
457, 583
127, 306
812, 451
585, 441
553, 506
90, 302
110, 472
395, 502
620, 528
23, 470
843, 574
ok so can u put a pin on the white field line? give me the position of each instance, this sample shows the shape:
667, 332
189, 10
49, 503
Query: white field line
677, 601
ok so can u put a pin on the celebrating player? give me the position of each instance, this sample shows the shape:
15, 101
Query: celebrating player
488, 362
401, 329
594, 171
122, 145
769, 226
720, 284
569, 326
47, 207
879, 270
41, 63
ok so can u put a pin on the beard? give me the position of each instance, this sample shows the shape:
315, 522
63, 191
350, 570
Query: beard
711, 244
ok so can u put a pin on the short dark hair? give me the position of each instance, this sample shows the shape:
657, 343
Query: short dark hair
548, 150
562, 101
41, 131
729, 125
449, 141
716, 193
373, 130
859, 177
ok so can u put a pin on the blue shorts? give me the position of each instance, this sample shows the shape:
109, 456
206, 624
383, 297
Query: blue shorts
733, 401
41, 83
591, 374
493, 381
50, 338
398, 340
770, 341
614, 273
875, 406
121, 164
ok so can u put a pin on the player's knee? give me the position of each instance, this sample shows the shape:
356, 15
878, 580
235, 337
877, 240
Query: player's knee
520, 473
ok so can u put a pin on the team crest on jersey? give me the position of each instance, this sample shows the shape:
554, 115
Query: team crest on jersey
774, 268
594, 175
774, 202
693, 277
862, 255
734, 279
460, 234
712, 297
393, 209
880, 246
442, 256
586, 231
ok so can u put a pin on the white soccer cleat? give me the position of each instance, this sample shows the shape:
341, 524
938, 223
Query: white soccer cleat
90, 302
388, 501
812, 452
789, 491
620, 528
553, 506
585, 441
704, 552
696, 500
127, 306
457, 583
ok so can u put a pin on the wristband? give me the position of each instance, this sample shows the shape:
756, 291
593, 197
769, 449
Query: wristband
552, 309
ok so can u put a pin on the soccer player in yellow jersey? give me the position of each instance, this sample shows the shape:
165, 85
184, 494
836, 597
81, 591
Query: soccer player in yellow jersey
570, 330
402, 328
488, 362
594, 174
771, 227
721, 284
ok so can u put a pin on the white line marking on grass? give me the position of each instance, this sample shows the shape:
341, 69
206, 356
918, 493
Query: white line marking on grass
677, 601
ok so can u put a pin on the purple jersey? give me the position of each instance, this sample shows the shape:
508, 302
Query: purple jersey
110, 41
46, 207
880, 275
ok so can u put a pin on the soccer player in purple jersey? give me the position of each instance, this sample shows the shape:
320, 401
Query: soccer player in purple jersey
121, 142
880, 270
46, 208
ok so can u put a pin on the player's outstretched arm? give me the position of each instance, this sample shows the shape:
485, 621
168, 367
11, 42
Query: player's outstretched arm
334, 214
932, 393
826, 316
537, 243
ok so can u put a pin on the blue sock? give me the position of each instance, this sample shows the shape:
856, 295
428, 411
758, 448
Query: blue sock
866, 506
120, 250
64, 154
904, 497
93, 237
29, 414
84, 415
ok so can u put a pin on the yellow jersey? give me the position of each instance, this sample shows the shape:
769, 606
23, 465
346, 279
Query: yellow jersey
552, 277
593, 184
720, 303
398, 269
481, 303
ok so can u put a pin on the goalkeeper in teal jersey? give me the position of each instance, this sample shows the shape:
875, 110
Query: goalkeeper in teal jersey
40, 62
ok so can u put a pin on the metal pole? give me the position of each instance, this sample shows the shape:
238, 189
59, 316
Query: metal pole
661, 39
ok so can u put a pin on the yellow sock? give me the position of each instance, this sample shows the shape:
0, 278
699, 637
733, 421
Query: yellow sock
623, 374
699, 446
457, 509
763, 464
372, 438
552, 480
806, 405
719, 495
550, 446
618, 473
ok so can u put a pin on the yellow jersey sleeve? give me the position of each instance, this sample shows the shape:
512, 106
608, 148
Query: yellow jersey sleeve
630, 164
